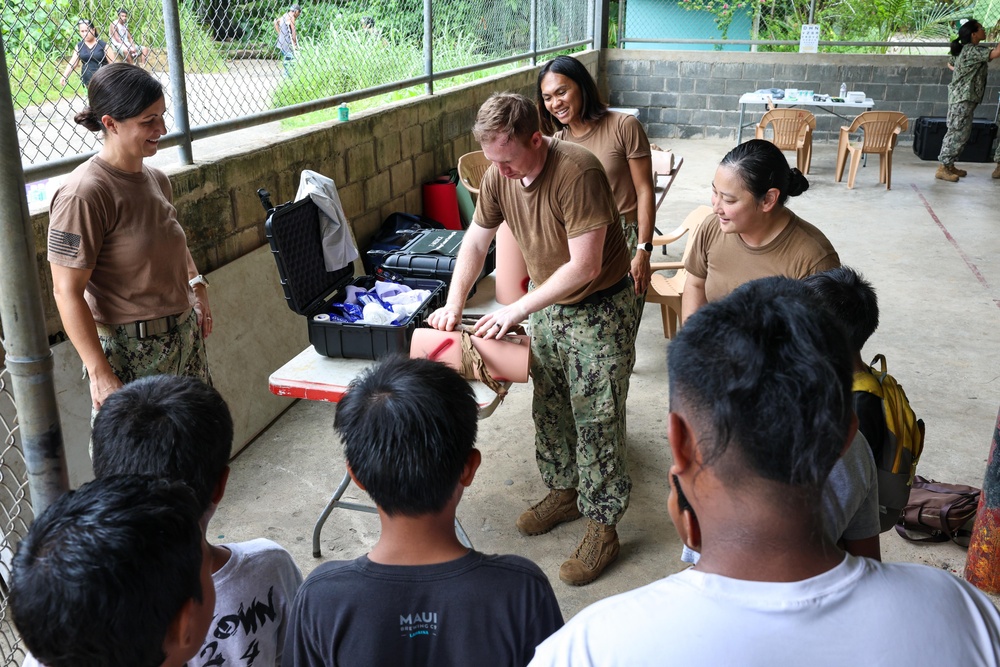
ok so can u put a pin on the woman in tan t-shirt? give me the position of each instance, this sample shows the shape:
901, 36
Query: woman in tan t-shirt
570, 107
751, 233
130, 297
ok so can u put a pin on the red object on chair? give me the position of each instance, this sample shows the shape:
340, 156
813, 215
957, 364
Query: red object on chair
441, 202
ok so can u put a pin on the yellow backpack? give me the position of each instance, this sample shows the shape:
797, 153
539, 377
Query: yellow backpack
904, 439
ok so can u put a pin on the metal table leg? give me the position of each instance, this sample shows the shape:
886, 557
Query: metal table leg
336, 502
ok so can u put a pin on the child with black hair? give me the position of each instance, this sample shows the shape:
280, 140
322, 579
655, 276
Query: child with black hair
853, 302
419, 597
114, 574
179, 428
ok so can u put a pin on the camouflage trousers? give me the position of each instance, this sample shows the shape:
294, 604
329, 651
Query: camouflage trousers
631, 230
959, 131
582, 359
180, 351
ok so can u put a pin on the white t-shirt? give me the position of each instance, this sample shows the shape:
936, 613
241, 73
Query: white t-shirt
253, 593
861, 612
850, 497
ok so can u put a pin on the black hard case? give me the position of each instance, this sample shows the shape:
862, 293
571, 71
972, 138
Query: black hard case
928, 134
293, 231
433, 254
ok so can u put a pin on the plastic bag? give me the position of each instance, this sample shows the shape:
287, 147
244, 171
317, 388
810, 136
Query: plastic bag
339, 249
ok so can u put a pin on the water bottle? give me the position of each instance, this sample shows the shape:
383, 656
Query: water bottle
843, 90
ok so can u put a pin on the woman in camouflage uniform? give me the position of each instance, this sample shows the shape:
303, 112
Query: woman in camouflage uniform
968, 84
129, 294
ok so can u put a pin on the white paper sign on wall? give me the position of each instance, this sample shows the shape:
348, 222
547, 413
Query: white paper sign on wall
809, 39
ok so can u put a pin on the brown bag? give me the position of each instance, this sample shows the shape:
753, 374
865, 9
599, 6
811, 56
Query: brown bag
938, 512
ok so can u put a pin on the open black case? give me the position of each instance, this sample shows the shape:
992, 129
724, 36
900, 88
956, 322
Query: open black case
293, 231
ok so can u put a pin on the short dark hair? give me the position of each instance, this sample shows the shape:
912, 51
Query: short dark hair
594, 108
765, 376
851, 299
762, 166
119, 90
104, 571
168, 426
408, 427
505, 116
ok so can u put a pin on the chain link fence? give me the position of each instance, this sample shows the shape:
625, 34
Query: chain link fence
247, 58
15, 518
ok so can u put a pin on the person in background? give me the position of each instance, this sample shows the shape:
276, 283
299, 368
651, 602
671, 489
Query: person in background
91, 53
751, 234
129, 294
116, 573
288, 37
179, 428
760, 410
420, 597
571, 109
123, 43
969, 60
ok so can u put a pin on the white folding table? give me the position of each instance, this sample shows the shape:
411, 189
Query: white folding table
311, 376
836, 108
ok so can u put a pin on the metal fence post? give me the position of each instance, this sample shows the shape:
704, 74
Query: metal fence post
175, 62
533, 32
29, 358
428, 47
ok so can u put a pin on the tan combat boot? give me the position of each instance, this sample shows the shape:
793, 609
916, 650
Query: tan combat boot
944, 173
557, 507
598, 549
996, 172
961, 173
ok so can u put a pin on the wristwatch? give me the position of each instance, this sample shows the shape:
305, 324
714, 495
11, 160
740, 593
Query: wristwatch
648, 247
200, 280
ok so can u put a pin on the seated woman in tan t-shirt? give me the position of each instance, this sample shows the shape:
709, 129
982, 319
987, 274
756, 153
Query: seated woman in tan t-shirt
751, 234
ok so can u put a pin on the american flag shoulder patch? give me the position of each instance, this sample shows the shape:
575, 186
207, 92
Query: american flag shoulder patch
63, 243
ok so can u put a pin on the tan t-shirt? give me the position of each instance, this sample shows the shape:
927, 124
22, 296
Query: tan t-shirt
569, 198
123, 227
725, 261
615, 139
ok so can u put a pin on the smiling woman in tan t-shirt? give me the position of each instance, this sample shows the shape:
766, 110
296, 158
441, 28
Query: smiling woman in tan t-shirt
130, 297
571, 109
751, 234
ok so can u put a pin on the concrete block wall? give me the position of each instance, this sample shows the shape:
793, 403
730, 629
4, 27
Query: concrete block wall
689, 94
379, 160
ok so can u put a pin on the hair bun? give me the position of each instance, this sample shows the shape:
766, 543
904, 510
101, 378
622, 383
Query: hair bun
88, 120
797, 183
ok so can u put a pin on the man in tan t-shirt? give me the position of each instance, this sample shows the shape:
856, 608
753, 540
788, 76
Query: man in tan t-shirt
556, 199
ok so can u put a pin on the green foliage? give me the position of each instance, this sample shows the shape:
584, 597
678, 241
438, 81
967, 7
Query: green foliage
988, 12
863, 21
343, 61
722, 10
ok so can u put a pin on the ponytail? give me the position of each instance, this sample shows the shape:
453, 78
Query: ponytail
964, 36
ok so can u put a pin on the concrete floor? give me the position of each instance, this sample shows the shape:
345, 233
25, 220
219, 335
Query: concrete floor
928, 246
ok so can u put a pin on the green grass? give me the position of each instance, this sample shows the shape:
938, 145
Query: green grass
343, 61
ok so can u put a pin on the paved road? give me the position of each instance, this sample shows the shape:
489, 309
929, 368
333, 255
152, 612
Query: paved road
48, 131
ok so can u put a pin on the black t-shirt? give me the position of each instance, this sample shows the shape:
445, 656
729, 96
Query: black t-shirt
477, 610
91, 59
